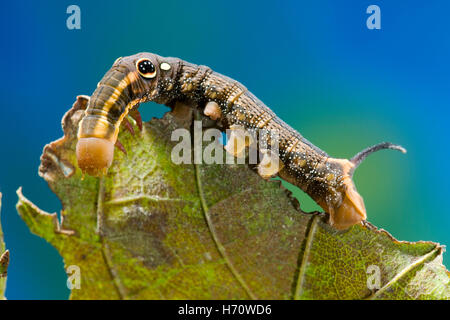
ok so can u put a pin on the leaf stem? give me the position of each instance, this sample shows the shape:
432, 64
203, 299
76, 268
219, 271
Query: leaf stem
303, 265
404, 272
121, 290
212, 230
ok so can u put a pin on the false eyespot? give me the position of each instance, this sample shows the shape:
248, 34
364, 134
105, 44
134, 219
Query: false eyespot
146, 68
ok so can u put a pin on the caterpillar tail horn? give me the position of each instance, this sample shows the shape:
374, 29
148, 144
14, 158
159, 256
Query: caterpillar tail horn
352, 210
361, 156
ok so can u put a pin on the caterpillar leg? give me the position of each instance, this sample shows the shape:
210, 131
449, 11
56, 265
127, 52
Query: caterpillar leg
120, 146
127, 125
212, 110
350, 211
270, 164
134, 113
237, 141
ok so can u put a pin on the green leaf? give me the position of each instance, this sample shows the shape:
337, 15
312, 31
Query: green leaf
4, 261
151, 229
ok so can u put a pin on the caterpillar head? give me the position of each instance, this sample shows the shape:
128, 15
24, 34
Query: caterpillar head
130, 81
348, 207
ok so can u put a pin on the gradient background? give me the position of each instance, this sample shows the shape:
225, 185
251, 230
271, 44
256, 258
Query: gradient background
314, 63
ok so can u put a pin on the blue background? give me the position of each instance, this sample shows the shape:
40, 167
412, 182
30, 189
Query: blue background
314, 63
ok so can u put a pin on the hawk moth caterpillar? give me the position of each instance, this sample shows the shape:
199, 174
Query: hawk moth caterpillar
148, 77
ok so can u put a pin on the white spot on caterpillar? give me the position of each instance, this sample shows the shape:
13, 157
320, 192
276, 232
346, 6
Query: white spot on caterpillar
165, 66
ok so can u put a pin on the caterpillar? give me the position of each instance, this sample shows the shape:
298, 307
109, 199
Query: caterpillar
149, 77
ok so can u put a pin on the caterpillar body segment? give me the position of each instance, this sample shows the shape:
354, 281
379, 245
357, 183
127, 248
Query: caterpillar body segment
148, 77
